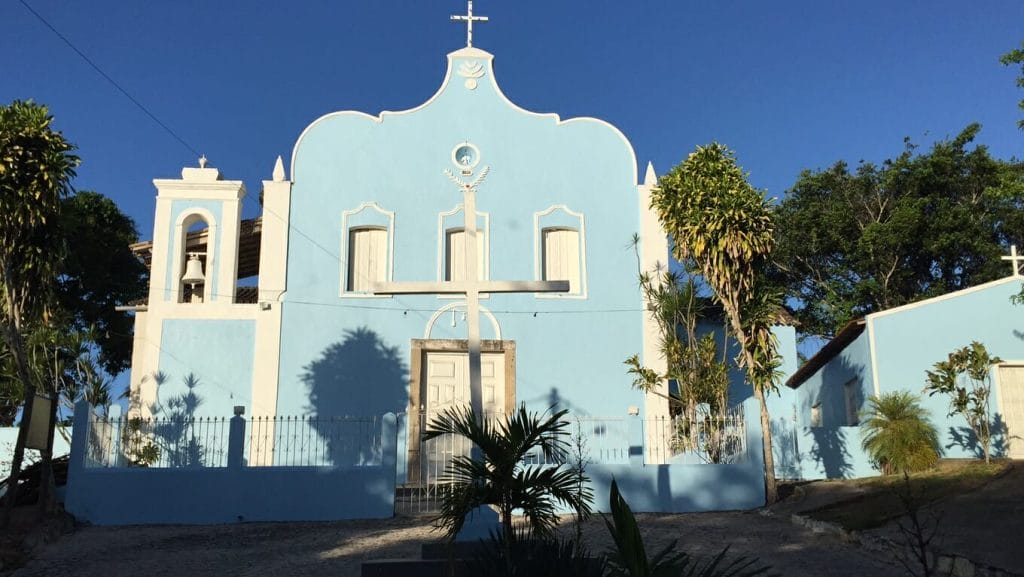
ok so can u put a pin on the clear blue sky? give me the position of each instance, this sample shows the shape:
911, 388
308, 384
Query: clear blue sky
788, 85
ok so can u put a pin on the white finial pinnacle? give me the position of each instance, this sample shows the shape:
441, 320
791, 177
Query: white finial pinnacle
650, 178
202, 161
469, 19
278, 170
1015, 259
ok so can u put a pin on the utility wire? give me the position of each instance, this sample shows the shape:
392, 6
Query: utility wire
109, 79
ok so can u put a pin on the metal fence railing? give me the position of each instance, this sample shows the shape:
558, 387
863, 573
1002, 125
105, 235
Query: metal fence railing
592, 440
313, 441
157, 442
175, 442
708, 438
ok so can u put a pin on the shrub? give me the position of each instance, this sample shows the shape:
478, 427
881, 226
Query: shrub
898, 435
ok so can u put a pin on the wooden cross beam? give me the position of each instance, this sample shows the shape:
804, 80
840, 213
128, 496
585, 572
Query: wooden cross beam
472, 287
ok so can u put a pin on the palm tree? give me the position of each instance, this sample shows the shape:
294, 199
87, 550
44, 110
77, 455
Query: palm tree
495, 474
723, 230
898, 435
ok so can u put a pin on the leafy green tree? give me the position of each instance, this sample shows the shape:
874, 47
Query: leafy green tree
97, 273
724, 230
36, 168
855, 241
496, 474
1011, 58
692, 360
966, 377
898, 435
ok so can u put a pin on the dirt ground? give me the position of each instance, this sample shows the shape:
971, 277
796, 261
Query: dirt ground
338, 549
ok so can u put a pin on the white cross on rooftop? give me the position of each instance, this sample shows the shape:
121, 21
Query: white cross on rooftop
468, 18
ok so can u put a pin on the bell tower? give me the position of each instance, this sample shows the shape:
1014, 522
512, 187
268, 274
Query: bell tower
195, 238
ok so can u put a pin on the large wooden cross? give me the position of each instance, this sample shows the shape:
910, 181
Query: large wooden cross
471, 286
468, 18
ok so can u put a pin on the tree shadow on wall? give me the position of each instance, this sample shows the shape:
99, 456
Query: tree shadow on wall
354, 382
964, 438
785, 449
830, 451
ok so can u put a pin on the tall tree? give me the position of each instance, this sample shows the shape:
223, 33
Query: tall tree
98, 271
1009, 59
723, 229
36, 168
852, 242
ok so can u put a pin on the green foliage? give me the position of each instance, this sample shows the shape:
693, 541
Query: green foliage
898, 435
724, 230
497, 476
36, 168
693, 361
629, 557
536, 557
137, 445
1011, 58
966, 377
98, 273
855, 241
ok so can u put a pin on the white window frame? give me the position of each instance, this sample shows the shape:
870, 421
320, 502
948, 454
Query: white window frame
366, 215
559, 216
455, 219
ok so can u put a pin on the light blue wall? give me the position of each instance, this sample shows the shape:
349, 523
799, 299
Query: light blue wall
908, 342
345, 355
218, 353
911, 341
227, 494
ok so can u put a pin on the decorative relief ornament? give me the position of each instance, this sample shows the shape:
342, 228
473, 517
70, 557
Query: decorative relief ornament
471, 71
465, 157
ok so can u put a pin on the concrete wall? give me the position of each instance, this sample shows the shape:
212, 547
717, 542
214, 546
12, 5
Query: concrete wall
896, 349
235, 493
910, 340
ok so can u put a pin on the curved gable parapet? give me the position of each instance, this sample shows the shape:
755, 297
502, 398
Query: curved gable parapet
468, 93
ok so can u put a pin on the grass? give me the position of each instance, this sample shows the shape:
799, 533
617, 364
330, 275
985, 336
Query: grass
880, 504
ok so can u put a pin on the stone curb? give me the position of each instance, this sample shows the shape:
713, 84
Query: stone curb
952, 565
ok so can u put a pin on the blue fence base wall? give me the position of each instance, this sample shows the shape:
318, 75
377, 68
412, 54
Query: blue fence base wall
231, 494
212, 496
680, 488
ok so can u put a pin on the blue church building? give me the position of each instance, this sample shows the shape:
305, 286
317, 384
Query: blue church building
377, 199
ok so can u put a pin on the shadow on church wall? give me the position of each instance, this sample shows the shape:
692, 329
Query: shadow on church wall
351, 385
963, 437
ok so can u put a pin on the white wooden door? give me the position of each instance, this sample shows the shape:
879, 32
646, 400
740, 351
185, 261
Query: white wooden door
446, 384
1011, 392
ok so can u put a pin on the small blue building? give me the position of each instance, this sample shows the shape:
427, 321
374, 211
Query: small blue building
891, 350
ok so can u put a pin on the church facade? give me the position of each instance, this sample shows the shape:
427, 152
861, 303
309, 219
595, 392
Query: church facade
371, 201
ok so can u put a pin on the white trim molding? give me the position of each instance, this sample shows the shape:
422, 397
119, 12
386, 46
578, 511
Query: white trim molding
538, 247
467, 53
181, 225
346, 227
455, 307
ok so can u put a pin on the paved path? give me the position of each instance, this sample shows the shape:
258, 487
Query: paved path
337, 549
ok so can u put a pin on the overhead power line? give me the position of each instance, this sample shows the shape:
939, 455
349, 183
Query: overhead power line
110, 79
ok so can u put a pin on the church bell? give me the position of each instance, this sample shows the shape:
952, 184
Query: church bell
193, 271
